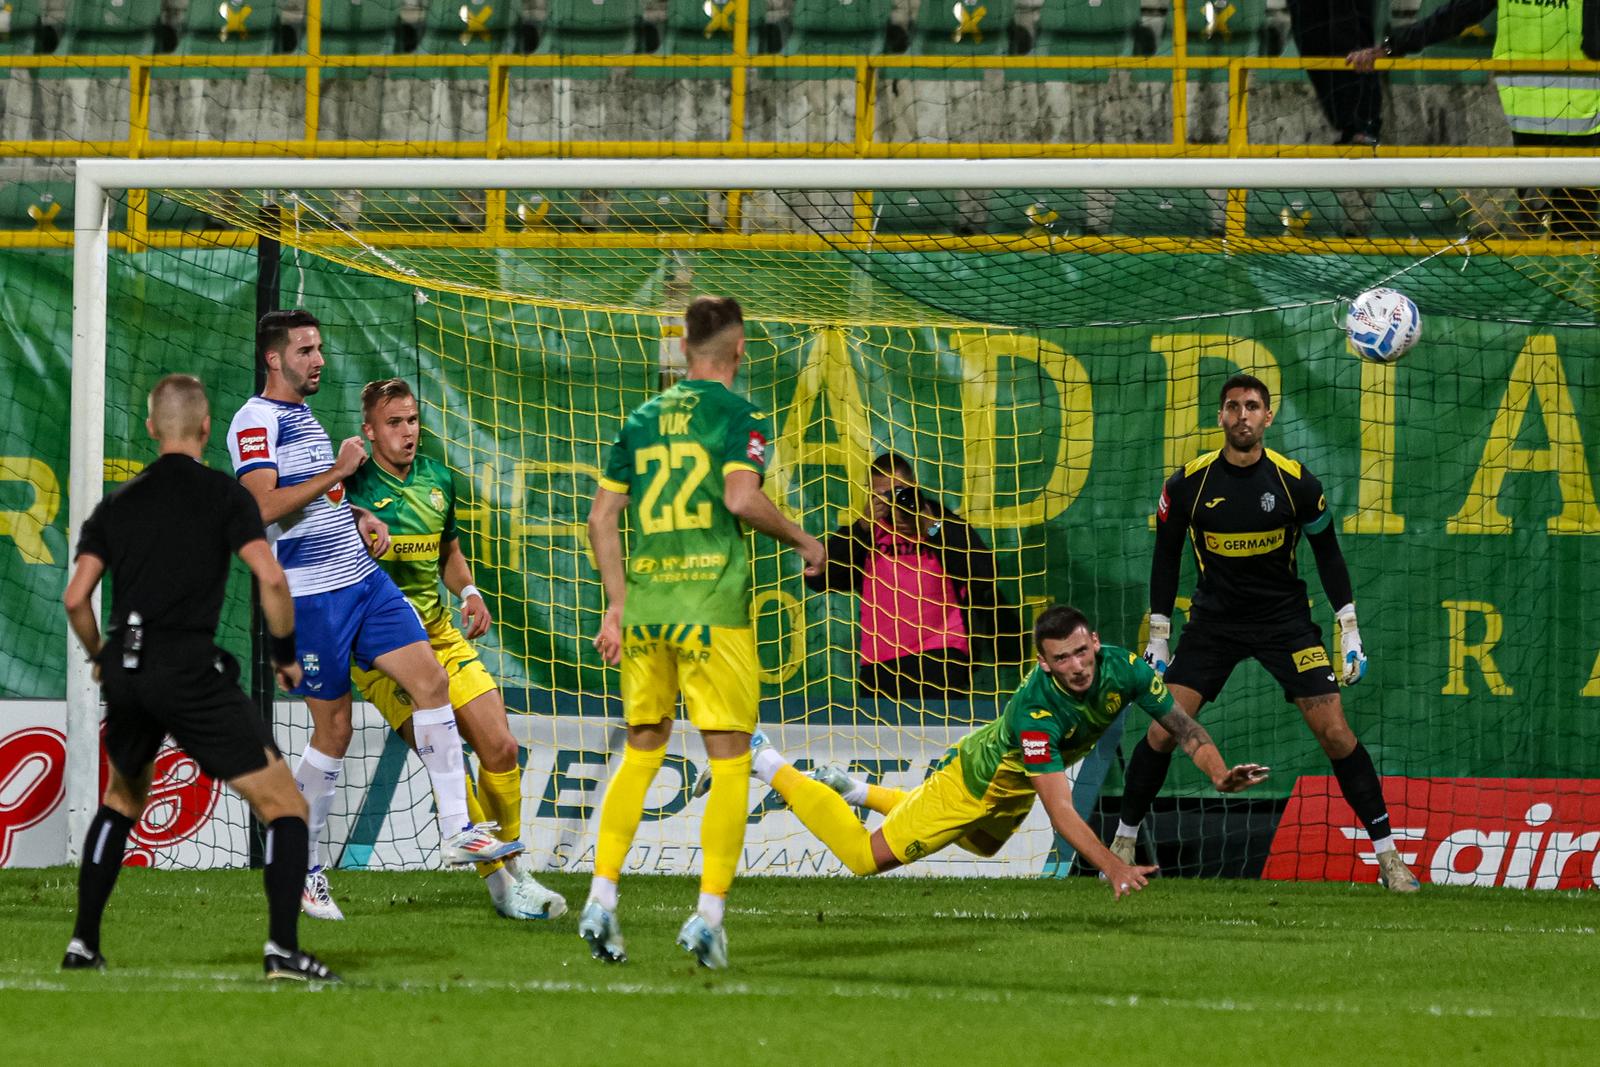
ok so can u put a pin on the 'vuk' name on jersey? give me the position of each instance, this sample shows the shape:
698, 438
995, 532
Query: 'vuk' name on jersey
688, 558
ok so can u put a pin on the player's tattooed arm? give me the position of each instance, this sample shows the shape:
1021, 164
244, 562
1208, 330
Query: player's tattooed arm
1198, 746
1188, 732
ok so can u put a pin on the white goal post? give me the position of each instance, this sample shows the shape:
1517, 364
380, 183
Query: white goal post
96, 177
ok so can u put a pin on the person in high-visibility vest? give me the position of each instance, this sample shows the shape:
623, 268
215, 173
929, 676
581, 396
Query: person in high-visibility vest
1556, 110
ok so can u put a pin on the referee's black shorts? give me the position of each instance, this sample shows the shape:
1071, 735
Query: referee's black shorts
1292, 652
187, 687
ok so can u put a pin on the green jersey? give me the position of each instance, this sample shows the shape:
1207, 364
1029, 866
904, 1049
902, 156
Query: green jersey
688, 562
1045, 728
420, 511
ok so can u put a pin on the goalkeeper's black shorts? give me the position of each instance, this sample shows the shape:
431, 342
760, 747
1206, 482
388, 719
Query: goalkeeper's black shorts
1292, 653
187, 687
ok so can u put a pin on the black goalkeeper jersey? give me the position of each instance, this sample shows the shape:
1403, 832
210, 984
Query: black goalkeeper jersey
1244, 524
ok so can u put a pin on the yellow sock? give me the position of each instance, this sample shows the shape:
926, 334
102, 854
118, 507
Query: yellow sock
623, 807
476, 813
882, 799
501, 794
826, 814
722, 824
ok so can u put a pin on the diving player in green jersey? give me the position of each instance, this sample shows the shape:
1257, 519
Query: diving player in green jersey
687, 466
985, 785
415, 495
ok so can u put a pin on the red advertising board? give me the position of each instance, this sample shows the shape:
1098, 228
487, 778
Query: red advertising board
1522, 833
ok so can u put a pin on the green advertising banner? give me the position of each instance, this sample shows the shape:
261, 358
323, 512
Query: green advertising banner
1462, 479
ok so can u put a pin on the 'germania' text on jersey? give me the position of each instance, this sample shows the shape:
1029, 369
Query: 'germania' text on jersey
318, 546
1244, 524
688, 560
420, 511
1046, 727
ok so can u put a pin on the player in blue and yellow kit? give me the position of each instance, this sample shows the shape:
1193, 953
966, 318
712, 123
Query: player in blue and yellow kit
687, 466
415, 496
985, 786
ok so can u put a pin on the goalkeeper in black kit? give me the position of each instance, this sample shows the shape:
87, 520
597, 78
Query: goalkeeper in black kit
1244, 509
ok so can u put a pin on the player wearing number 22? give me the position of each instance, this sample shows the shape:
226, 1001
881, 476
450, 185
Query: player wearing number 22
687, 465
1243, 508
415, 496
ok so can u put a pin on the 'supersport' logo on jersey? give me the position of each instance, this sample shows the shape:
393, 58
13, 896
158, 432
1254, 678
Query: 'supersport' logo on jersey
757, 448
1035, 747
252, 444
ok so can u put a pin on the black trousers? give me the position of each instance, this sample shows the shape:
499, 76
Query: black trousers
1353, 102
936, 675
1574, 212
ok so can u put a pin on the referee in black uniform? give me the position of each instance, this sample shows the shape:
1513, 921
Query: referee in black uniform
166, 537
1244, 509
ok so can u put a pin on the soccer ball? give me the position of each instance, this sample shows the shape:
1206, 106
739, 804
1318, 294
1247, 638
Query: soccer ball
1383, 324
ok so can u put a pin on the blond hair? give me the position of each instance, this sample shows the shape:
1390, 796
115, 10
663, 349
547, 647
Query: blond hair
178, 408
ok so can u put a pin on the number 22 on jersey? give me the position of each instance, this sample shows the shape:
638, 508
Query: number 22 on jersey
658, 463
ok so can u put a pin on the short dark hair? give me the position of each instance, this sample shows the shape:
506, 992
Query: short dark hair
708, 316
1245, 381
381, 392
272, 332
893, 463
1058, 622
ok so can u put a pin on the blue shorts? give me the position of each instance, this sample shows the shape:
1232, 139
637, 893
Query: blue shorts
356, 624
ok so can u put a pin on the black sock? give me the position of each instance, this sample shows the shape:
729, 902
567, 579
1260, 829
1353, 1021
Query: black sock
102, 862
1358, 780
288, 851
1142, 780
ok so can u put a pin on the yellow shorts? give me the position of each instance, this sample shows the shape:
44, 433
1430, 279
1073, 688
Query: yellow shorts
714, 667
942, 811
469, 678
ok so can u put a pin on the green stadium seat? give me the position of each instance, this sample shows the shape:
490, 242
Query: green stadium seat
1221, 28
360, 28
228, 28
100, 28
561, 209
1429, 214
705, 28
23, 31
921, 211
657, 211
1476, 42
1036, 212
1085, 28
589, 28
834, 28
1294, 213
1166, 213
36, 207
470, 28
417, 210
963, 28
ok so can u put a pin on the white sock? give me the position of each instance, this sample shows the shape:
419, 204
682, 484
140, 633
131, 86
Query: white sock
1124, 830
439, 747
1383, 844
317, 775
767, 762
499, 885
856, 794
711, 908
603, 890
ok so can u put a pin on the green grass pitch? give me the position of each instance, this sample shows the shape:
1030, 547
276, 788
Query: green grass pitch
825, 972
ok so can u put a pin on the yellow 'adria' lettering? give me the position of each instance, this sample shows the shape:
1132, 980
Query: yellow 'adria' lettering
1461, 650
1536, 374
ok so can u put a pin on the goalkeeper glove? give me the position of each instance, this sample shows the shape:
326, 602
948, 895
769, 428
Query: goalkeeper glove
1156, 652
1352, 658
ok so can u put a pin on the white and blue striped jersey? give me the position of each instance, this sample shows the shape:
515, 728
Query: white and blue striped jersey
319, 546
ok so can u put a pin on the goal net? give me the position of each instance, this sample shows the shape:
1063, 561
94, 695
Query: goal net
1042, 342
